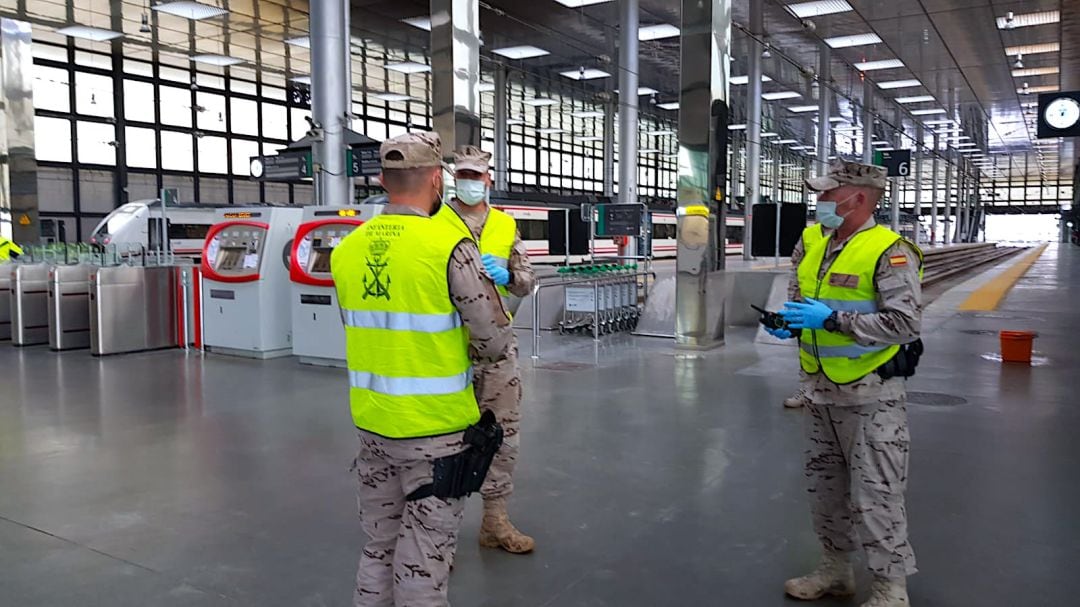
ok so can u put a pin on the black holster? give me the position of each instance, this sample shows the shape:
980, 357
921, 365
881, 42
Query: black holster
463, 473
904, 363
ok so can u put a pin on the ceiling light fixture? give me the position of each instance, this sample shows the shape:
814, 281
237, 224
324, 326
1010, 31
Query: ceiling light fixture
882, 64
657, 32
769, 135
777, 95
927, 112
394, 97
1019, 62
736, 127
766, 53
1013, 21
669, 105
550, 131
805, 10
190, 10
521, 52
218, 60
899, 84
644, 90
915, 99
585, 74
786, 141
539, 101
736, 80
853, 40
580, 3
408, 67
86, 32
587, 114
1046, 88
800, 109
1036, 71
144, 26
422, 22
660, 133
1033, 49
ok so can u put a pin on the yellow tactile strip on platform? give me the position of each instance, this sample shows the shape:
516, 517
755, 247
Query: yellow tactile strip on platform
988, 297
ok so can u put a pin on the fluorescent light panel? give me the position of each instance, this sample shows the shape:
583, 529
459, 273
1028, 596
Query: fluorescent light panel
391, 96
737, 80
586, 74
804, 10
657, 32
899, 84
86, 32
422, 22
777, 95
1029, 19
853, 40
670, 105
550, 131
539, 101
736, 127
587, 114
1033, 49
580, 3
190, 10
769, 135
927, 112
521, 52
882, 64
408, 67
644, 90
786, 141
660, 133
219, 60
914, 99
1035, 71
1049, 88
799, 109
589, 138
301, 79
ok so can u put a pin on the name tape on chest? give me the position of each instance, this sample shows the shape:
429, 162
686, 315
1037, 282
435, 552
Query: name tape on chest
850, 281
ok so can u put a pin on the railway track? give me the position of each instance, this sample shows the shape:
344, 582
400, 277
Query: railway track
944, 263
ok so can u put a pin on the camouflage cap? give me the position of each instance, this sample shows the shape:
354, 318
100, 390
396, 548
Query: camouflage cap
471, 158
411, 151
843, 172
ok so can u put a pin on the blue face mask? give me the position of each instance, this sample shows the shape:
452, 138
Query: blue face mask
471, 191
827, 215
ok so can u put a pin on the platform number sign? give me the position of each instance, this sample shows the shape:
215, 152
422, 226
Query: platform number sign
896, 162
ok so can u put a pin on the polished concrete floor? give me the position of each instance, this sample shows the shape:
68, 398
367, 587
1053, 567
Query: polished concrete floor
649, 477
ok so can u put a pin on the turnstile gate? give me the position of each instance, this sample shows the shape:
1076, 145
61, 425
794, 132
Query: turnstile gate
29, 304
133, 308
5, 302
69, 308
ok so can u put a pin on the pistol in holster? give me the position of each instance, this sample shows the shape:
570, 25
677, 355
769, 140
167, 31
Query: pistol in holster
463, 473
905, 361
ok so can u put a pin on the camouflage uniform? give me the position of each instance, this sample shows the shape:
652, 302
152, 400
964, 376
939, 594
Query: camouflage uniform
498, 384
406, 561
857, 460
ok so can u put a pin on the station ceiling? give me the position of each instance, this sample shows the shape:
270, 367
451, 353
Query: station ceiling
961, 54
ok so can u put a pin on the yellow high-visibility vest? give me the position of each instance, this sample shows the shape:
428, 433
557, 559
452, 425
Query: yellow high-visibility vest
406, 347
848, 286
7, 247
497, 238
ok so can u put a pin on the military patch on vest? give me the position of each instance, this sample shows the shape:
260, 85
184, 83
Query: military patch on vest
850, 281
897, 260
377, 284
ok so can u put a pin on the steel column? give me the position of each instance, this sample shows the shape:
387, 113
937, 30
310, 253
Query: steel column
918, 180
501, 157
753, 124
868, 121
824, 126
628, 100
455, 73
934, 192
894, 183
330, 98
704, 63
945, 232
609, 148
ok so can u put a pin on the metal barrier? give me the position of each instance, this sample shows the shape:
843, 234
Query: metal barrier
134, 308
29, 304
602, 300
69, 313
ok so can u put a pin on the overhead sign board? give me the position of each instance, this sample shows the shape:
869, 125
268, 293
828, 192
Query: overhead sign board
619, 219
282, 167
896, 162
363, 161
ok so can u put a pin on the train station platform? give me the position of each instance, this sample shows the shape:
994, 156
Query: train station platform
648, 476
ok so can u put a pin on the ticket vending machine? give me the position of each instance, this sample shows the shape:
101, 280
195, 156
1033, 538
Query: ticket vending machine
318, 335
245, 292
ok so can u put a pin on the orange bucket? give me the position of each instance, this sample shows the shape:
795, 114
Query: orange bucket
1016, 346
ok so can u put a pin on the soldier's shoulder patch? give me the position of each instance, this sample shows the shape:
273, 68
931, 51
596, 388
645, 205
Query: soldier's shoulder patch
897, 260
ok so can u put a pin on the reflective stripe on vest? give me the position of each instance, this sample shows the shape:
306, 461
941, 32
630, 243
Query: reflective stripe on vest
410, 386
839, 356
406, 347
402, 321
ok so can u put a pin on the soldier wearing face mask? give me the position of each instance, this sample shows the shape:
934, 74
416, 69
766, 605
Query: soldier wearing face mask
498, 384
856, 299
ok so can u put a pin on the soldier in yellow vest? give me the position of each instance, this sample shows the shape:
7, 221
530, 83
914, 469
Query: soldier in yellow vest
8, 249
415, 304
859, 313
498, 385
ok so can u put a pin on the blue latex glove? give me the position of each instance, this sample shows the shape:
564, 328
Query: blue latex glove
779, 333
807, 314
499, 275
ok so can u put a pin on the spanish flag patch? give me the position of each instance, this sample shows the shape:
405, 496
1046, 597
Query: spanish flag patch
897, 260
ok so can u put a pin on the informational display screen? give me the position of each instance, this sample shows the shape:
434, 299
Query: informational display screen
619, 219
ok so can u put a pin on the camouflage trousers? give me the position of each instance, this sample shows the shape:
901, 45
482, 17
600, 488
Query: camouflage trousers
498, 388
406, 561
857, 464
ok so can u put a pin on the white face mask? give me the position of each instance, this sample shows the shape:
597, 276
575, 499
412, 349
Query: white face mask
471, 191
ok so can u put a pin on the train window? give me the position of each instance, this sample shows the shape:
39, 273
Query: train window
533, 229
189, 231
663, 231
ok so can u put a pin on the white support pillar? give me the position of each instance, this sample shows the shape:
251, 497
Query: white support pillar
330, 99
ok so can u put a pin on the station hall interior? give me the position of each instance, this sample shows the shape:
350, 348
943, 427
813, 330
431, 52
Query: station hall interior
175, 421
